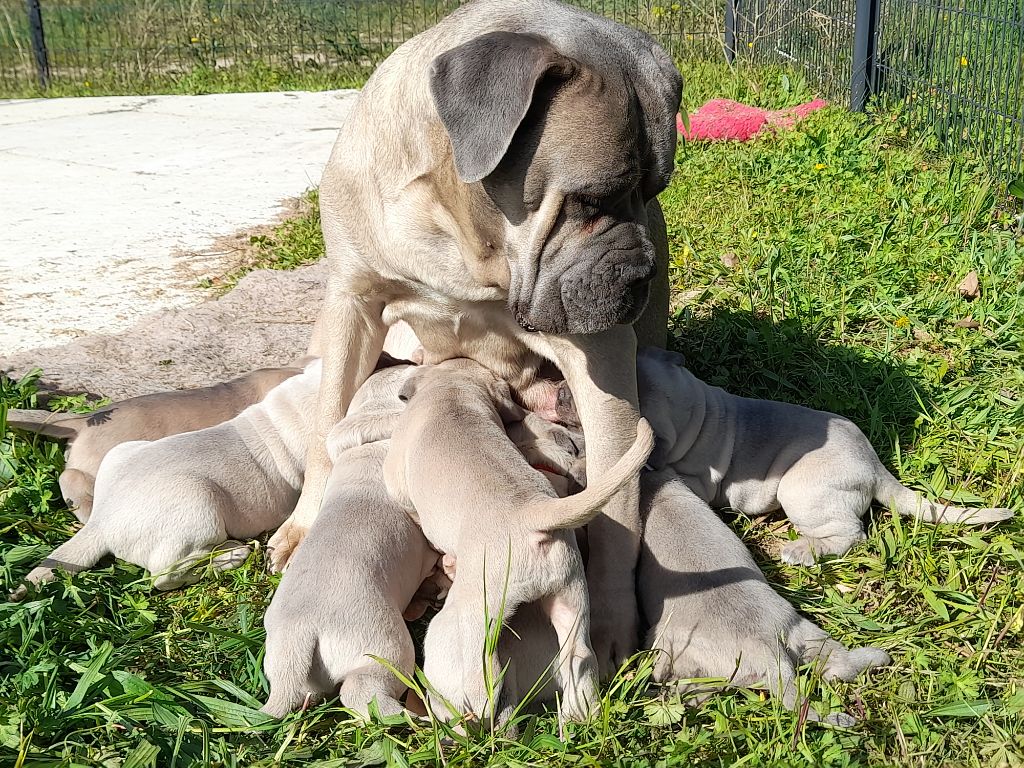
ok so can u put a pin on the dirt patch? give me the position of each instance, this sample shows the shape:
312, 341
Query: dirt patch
265, 321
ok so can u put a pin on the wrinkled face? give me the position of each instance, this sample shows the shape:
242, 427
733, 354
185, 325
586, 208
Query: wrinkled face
574, 188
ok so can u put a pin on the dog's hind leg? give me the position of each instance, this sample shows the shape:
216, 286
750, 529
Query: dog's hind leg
810, 644
576, 668
185, 562
79, 553
385, 639
289, 664
373, 682
826, 510
76, 488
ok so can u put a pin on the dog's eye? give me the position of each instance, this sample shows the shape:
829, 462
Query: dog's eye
589, 205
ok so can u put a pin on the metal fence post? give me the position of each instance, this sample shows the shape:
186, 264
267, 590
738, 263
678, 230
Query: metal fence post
35, 24
865, 38
731, 11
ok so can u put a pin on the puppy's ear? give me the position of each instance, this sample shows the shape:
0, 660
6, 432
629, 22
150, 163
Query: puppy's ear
387, 361
509, 410
483, 89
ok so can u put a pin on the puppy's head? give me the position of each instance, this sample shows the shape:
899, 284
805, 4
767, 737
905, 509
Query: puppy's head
382, 389
548, 447
569, 136
467, 378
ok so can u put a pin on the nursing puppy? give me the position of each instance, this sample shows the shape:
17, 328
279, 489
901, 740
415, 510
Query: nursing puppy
477, 499
712, 614
167, 504
554, 450
343, 597
757, 456
148, 417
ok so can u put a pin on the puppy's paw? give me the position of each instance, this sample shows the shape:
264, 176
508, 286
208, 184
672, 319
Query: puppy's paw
230, 555
848, 665
18, 594
283, 543
840, 720
798, 552
807, 549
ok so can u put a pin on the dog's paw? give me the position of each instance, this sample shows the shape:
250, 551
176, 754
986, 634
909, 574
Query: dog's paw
230, 555
798, 552
851, 663
18, 594
283, 543
840, 720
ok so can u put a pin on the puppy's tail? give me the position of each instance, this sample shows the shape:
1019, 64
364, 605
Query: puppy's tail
79, 553
574, 511
891, 493
63, 426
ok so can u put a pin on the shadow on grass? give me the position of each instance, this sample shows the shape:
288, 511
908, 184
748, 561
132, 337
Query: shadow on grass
782, 360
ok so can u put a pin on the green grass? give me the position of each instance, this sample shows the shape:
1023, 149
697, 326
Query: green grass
843, 244
296, 241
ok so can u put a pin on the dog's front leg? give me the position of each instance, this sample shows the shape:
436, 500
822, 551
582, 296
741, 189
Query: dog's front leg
352, 334
601, 372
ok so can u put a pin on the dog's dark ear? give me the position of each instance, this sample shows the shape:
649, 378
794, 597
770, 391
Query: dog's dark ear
387, 361
482, 90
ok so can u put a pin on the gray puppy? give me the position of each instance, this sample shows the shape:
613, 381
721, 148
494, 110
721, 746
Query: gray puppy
168, 504
712, 614
479, 500
343, 599
148, 417
758, 456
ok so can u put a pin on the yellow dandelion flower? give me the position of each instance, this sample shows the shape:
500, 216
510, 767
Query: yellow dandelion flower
753, 234
194, 39
819, 166
87, 84
963, 61
750, 45
902, 321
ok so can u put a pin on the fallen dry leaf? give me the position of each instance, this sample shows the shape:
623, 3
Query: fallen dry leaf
729, 260
968, 322
969, 287
922, 335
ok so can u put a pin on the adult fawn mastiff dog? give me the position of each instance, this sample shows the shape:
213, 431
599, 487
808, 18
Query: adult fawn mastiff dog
494, 187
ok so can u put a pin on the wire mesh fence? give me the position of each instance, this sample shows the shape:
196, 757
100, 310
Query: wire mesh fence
952, 67
130, 44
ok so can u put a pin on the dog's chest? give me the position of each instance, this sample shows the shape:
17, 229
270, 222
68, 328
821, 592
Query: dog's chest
480, 331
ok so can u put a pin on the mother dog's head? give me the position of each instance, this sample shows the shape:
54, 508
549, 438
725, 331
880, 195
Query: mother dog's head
570, 133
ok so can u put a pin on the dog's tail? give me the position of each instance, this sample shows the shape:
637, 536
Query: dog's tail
574, 511
79, 553
898, 498
63, 426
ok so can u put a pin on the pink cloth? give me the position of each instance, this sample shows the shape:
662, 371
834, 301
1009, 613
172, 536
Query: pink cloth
724, 119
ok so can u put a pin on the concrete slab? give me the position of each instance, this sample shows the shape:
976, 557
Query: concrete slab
109, 206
